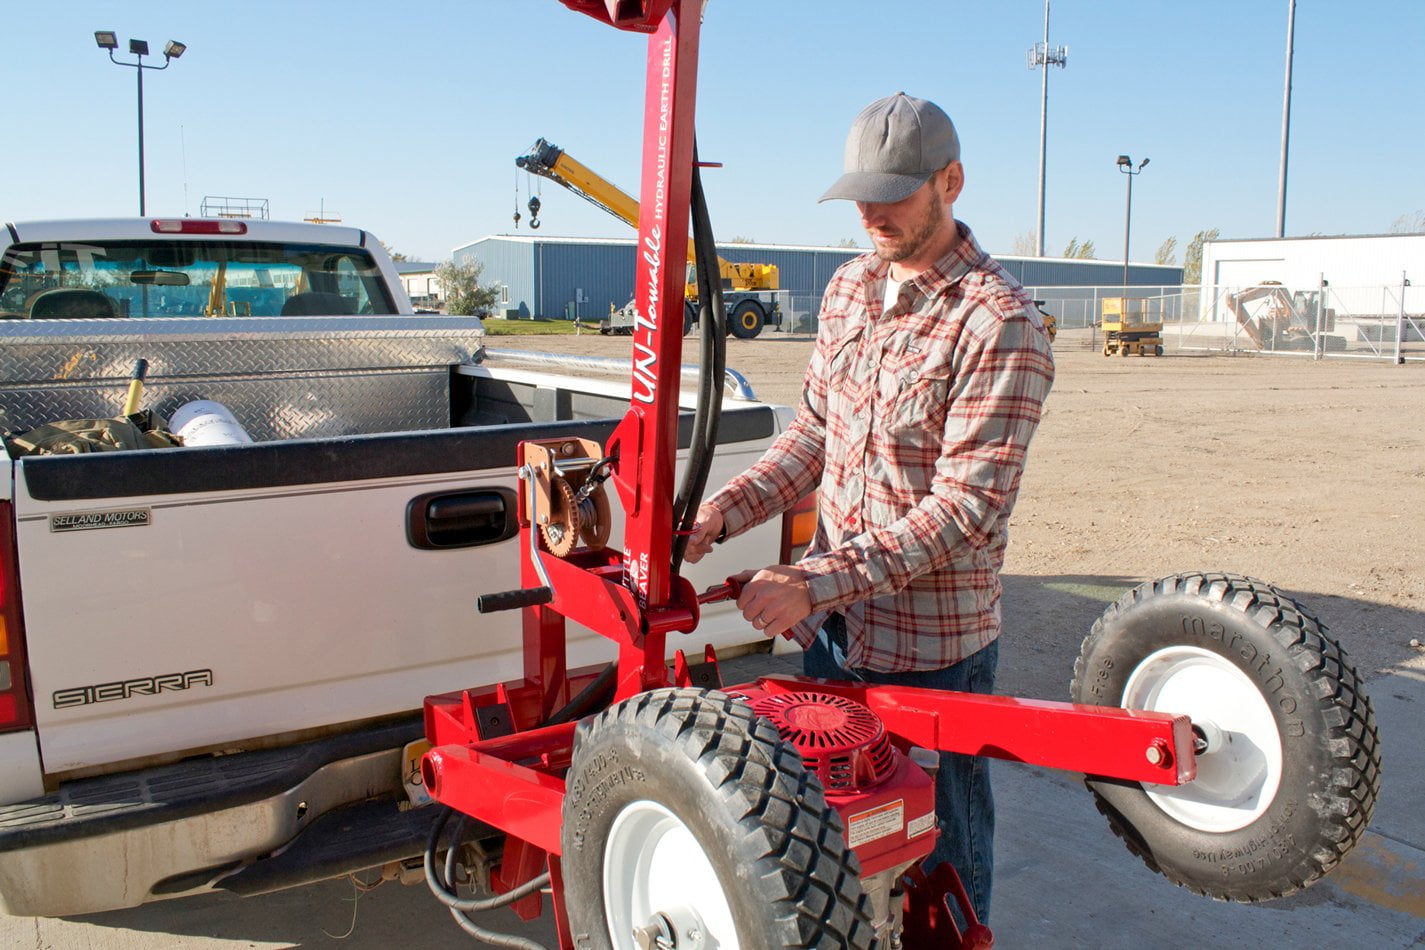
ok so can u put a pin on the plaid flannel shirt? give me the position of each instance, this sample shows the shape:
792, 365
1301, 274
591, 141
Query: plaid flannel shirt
914, 424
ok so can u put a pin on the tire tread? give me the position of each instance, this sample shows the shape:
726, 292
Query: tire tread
805, 870
1352, 739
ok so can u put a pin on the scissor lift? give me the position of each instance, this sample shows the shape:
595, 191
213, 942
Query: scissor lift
1127, 329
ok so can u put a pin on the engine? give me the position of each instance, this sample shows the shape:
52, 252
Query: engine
886, 798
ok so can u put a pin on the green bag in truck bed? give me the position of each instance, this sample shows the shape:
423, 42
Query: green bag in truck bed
142, 430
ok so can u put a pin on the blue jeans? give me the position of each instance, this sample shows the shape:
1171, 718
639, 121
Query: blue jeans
964, 806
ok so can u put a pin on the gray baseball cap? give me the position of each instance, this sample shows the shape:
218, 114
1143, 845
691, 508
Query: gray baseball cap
895, 145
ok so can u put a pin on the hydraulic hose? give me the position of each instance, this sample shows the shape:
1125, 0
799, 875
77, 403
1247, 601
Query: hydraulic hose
712, 325
596, 695
442, 886
713, 337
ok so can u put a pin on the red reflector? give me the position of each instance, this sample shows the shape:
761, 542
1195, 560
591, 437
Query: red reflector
197, 226
15, 710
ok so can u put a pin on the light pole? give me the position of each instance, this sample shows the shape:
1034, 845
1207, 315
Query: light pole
1125, 165
1286, 118
108, 40
1042, 56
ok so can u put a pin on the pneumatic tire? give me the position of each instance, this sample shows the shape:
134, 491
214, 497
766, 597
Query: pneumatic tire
1291, 769
748, 318
683, 809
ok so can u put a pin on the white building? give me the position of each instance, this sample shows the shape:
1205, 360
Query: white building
1364, 275
418, 277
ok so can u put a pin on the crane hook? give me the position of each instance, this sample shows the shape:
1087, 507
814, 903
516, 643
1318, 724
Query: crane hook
517, 220
534, 211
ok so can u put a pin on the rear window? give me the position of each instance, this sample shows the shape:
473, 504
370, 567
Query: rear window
162, 278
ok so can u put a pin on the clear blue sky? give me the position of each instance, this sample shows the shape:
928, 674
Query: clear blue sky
405, 118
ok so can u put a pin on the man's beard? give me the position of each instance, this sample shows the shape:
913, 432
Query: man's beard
919, 236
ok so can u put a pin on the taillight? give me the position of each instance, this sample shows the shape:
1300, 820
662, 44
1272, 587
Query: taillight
15, 710
197, 226
798, 528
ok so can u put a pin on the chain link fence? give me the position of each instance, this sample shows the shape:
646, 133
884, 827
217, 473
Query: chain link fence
799, 309
1320, 321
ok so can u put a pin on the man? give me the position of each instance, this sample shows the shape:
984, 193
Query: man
927, 382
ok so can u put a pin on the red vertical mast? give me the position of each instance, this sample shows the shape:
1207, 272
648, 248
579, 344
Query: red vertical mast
647, 437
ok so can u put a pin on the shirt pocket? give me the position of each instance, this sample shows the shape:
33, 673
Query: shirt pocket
915, 388
843, 382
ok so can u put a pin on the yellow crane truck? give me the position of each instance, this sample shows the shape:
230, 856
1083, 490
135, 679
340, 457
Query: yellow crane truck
748, 290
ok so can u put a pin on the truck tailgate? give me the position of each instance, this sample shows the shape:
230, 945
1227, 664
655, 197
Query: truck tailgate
193, 599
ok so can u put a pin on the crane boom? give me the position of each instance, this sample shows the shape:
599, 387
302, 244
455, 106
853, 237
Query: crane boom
550, 161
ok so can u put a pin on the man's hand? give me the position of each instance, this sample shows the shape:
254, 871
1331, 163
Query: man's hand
775, 598
705, 532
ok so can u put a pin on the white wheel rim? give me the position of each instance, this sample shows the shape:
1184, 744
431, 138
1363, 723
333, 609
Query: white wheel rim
654, 865
1238, 779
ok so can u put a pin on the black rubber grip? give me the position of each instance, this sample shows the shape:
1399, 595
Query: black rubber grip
513, 599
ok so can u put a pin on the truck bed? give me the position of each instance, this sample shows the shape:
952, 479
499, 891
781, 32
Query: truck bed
211, 632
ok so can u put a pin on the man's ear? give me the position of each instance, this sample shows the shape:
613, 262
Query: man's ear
952, 182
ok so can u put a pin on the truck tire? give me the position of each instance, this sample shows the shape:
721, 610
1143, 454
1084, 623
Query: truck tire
690, 317
1289, 758
684, 810
747, 321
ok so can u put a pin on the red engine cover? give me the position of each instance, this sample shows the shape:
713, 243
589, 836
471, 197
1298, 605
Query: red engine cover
840, 740
885, 800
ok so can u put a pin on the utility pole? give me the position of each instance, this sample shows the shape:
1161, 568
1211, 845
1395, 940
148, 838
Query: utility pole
1286, 117
1042, 56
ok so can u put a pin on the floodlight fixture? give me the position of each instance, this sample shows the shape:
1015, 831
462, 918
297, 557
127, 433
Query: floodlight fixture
1125, 165
108, 40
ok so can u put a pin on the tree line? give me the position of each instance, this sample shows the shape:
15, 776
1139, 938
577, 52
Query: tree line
1167, 252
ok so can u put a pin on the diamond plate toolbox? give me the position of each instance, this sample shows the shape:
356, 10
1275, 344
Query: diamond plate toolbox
282, 377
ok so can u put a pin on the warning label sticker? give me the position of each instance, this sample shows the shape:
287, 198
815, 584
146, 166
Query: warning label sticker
878, 822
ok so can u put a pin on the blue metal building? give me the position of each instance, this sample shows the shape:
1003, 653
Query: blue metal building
564, 277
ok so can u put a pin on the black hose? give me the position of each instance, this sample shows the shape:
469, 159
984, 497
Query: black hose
596, 695
493, 938
713, 336
712, 324
443, 888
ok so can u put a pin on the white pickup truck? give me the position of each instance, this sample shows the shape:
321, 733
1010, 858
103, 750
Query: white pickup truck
211, 657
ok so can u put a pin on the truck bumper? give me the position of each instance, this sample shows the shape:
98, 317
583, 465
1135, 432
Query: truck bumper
121, 840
